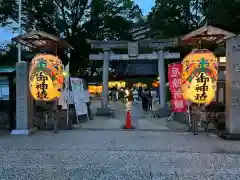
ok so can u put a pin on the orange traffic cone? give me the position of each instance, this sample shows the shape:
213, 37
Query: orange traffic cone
128, 123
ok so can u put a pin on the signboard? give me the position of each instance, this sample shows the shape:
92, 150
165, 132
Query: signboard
4, 88
140, 33
132, 49
233, 85
78, 96
164, 43
137, 68
174, 78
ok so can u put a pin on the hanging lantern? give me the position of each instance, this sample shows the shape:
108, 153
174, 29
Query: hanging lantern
46, 77
155, 84
199, 66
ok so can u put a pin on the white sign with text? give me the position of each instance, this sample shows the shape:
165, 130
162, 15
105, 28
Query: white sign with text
78, 96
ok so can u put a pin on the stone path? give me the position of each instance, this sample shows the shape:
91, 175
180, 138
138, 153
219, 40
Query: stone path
140, 119
118, 155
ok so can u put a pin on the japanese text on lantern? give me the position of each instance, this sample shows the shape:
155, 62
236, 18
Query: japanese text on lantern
41, 85
199, 77
46, 77
174, 78
201, 87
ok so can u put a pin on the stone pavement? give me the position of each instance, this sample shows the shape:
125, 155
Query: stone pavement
118, 155
140, 119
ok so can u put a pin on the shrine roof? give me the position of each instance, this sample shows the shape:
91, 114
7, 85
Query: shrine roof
7, 69
150, 43
208, 33
41, 40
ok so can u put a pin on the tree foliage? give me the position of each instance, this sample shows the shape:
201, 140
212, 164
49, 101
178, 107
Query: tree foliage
178, 17
7, 53
223, 14
170, 18
77, 20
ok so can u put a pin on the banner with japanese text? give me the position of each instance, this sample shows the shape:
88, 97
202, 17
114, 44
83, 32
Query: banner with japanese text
174, 78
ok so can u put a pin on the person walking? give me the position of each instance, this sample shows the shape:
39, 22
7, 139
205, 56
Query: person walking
135, 107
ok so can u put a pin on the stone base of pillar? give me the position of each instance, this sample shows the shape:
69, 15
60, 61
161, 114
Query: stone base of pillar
83, 118
228, 136
103, 112
163, 112
180, 118
24, 132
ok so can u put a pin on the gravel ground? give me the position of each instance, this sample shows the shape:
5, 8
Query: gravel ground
123, 155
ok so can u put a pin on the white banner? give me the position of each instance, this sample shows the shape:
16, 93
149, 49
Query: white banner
78, 96
64, 99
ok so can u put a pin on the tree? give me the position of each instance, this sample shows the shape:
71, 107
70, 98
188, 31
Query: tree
222, 14
7, 55
77, 20
171, 18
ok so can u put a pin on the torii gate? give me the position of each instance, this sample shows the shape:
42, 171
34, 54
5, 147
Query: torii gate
133, 47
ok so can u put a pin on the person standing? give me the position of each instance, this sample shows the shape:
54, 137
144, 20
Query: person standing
139, 92
149, 99
135, 95
114, 93
117, 93
144, 97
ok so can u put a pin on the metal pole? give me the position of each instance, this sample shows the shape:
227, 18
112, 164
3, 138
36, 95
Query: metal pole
19, 29
171, 117
189, 116
68, 88
68, 100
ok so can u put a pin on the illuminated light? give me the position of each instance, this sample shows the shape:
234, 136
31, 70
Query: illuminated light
201, 91
200, 62
93, 89
65, 74
155, 84
127, 92
46, 77
139, 84
222, 59
117, 84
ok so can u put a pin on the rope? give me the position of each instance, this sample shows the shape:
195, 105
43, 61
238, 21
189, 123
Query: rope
200, 44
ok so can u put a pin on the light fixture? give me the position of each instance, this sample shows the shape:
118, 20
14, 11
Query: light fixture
199, 76
46, 77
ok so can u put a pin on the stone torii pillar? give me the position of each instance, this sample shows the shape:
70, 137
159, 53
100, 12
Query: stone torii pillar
161, 72
133, 54
105, 78
232, 89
